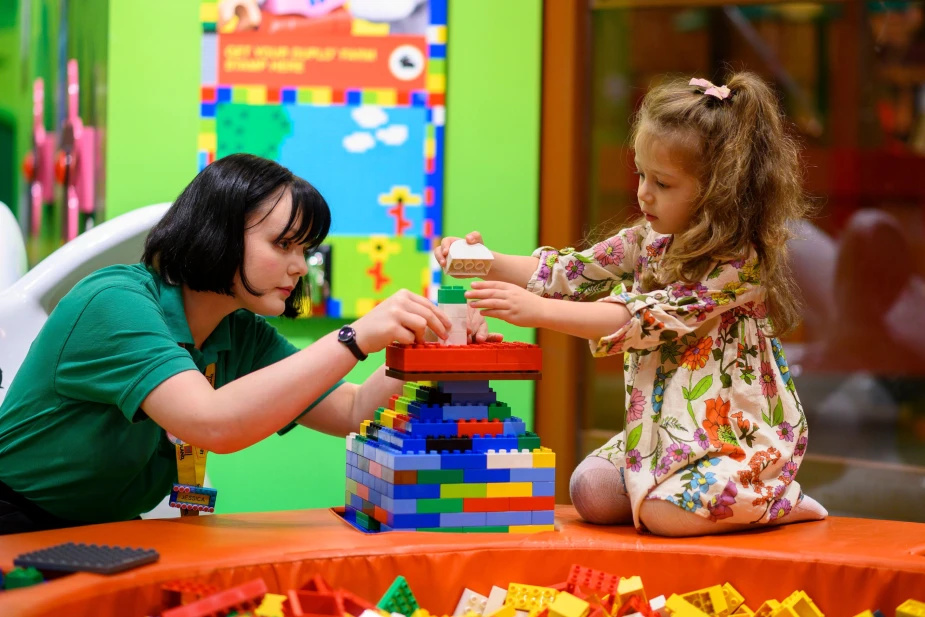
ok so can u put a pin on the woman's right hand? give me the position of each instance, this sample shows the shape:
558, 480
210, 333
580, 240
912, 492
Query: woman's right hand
403, 317
441, 252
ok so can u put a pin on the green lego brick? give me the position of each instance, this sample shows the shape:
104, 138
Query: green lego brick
441, 476
499, 411
207, 125
436, 66
497, 529
370, 97
303, 96
441, 529
456, 491
439, 506
367, 522
18, 578
451, 295
399, 598
528, 441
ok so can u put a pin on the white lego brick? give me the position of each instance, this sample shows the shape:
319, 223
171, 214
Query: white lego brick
467, 260
509, 460
454, 311
495, 600
658, 606
470, 601
369, 613
458, 336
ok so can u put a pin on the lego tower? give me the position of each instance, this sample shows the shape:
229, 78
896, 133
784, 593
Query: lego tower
447, 455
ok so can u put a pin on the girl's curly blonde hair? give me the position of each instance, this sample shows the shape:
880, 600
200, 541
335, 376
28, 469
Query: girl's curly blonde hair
750, 183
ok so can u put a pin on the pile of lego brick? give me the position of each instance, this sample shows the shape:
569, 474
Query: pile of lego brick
449, 457
585, 593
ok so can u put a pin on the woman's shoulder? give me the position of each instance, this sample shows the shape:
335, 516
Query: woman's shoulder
119, 282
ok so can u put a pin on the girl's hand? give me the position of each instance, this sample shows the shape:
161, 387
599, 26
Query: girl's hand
477, 328
443, 249
403, 317
507, 302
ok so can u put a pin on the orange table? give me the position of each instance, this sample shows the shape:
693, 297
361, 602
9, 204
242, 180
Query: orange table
846, 565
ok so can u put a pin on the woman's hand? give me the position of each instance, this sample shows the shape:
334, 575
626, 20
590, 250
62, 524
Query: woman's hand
403, 317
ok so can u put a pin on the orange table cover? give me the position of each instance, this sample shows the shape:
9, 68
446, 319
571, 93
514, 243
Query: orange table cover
845, 565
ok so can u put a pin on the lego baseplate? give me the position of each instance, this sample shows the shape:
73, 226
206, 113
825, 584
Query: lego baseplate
102, 559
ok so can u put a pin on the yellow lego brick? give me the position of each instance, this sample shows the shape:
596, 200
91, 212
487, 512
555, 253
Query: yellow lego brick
208, 12
529, 598
798, 604
744, 611
866, 613
436, 84
911, 608
632, 586
256, 95
734, 599
530, 528
680, 607
767, 609
207, 142
510, 489
506, 610
430, 148
544, 457
272, 606
436, 35
710, 600
567, 605
361, 27
421, 612
471, 613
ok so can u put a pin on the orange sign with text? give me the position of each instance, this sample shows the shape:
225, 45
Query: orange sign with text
287, 59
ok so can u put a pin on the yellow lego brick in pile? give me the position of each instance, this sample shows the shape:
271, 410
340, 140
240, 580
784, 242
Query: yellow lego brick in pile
567, 605
911, 608
529, 598
711, 601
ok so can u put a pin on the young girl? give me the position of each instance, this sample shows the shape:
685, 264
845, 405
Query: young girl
136, 358
696, 296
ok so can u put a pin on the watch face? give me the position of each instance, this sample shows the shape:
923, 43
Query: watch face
346, 333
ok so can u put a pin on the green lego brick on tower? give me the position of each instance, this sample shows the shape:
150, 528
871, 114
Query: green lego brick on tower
488, 529
367, 522
207, 125
499, 411
451, 295
528, 441
441, 529
436, 66
399, 598
18, 578
439, 506
441, 476
451, 491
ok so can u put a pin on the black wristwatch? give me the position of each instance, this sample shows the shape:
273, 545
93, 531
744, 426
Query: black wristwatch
348, 336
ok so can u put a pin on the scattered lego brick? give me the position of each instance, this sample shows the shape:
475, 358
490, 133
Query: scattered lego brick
399, 598
241, 598
17, 578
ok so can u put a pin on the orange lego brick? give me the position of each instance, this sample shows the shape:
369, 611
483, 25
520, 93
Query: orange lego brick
589, 579
471, 428
464, 376
532, 503
242, 597
487, 504
303, 603
176, 593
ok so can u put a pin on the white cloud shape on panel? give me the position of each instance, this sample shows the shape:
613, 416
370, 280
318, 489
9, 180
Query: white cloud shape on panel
394, 135
359, 142
369, 116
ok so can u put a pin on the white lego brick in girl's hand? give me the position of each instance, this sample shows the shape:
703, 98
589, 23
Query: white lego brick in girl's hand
467, 260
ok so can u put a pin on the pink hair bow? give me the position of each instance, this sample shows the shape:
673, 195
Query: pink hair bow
720, 92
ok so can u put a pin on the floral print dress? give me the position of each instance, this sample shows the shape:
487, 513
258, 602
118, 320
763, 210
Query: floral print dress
713, 421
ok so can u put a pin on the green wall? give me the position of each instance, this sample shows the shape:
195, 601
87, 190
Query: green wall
492, 161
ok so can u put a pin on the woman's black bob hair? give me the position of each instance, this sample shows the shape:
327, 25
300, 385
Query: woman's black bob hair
200, 241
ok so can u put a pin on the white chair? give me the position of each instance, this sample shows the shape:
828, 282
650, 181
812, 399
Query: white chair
12, 249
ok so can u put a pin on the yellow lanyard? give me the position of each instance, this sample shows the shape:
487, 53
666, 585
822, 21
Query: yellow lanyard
191, 461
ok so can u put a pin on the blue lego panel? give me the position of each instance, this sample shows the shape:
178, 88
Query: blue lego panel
332, 308
462, 460
436, 51
223, 94
356, 501
398, 506
438, 12
472, 398
544, 489
463, 519
413, 462
479, 476
354, 97
419, 98
543, 517
465, 412
509, 518
207, 110
514, 426
430, 428
534, 474
412, 491
288, 96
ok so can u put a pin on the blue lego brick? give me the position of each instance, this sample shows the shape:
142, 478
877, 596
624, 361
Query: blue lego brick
402, 441
462, 460
509, 518
479, 476
223, 94
436, 51
544, 489
543, 517
494, 442
438, 12
514, 426
203, 160
414, 462
412, 491
412, 521
398, 506
472, 398
463, 519
354, 97
332, 308
288, 96
460, 387
356, 501
430, 428
534, 474
351, 458
419, 98
423, 411
207, 110
465, 412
